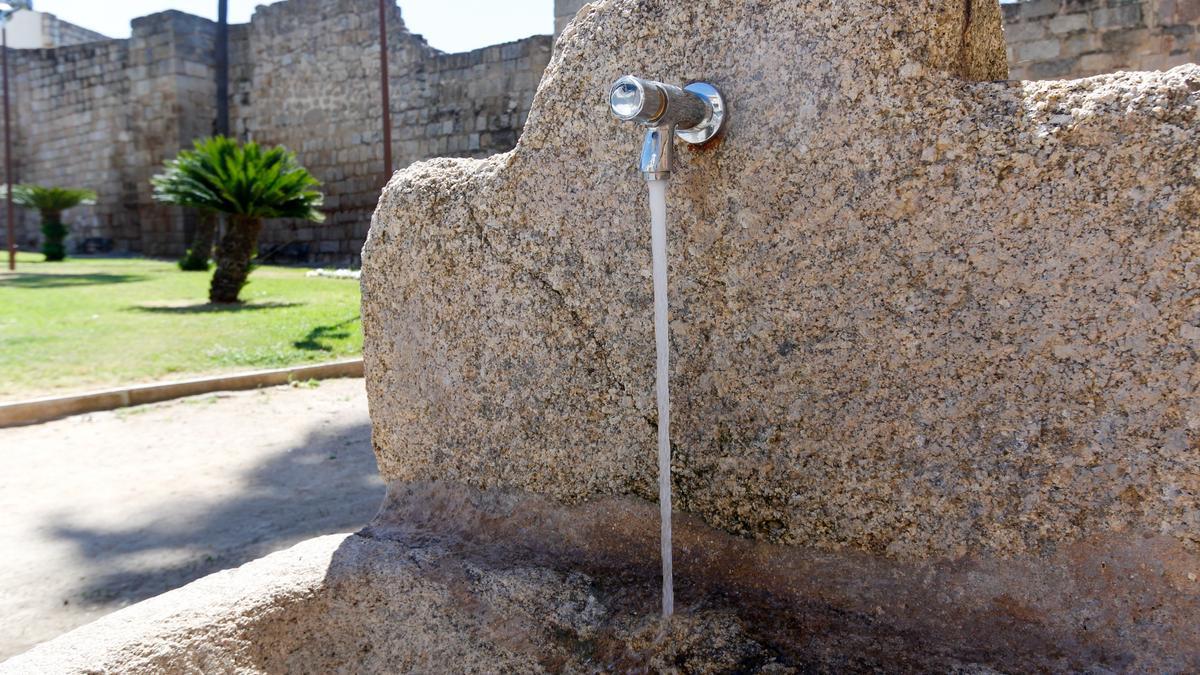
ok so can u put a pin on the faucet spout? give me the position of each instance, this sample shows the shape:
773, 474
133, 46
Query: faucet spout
658, 153
695, 113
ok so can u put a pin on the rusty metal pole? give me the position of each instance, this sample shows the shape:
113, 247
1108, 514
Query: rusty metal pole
8, 197
383, 85
223, 67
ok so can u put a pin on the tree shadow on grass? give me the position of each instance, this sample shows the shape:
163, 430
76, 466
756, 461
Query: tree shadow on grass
212, 308
31, 280
327, 484
337, 331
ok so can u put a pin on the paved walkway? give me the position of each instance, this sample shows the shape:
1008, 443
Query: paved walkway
104, 510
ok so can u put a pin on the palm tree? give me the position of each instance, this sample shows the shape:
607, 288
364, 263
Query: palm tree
246, 182
51, 202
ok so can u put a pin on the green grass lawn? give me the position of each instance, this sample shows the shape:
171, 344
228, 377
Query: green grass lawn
94, 322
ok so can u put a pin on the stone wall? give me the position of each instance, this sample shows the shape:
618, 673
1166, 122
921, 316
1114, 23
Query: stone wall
105, 115
1050, 39
57, 33
78, 119
304, 73
309, 79
564, 11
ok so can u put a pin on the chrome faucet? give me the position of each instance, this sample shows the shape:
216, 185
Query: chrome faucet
695, 113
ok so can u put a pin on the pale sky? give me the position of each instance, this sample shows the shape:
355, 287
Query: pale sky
448, 25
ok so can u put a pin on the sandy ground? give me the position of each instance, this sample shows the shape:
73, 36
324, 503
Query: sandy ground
103, 510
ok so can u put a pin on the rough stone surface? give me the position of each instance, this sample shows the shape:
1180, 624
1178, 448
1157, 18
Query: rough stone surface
912, 314
452, 579
1050, 39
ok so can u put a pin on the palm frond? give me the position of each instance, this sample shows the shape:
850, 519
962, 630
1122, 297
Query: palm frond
49, 198
222, 176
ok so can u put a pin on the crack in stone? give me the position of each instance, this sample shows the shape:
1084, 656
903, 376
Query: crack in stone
602, 354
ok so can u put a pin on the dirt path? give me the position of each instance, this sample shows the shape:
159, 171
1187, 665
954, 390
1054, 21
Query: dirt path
103, 510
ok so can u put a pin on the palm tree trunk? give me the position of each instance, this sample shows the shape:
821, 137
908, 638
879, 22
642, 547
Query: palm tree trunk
233, 258
54, 234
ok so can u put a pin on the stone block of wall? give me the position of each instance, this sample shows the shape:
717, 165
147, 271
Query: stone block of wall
310, 81
59, 33
564, 12
1050, 39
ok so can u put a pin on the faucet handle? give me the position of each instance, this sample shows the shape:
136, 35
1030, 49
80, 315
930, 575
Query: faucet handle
633, 99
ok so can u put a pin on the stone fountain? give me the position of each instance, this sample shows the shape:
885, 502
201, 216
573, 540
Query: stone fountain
935, 342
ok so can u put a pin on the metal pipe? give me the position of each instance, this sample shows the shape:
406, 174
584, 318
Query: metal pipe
384, 86
8, 188
223, 67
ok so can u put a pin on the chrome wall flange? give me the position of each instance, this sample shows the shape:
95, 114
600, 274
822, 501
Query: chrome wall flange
713, 123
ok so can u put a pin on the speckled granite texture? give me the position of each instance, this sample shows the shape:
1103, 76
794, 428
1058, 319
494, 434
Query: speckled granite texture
914, 313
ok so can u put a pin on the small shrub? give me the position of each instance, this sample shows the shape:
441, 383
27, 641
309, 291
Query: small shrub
50, 202
194, 262
197, 257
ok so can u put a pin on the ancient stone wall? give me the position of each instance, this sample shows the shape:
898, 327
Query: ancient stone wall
310, 81
564, 11
78, 119
105, 115
1050, 39
172, 93
303, 73
58, 33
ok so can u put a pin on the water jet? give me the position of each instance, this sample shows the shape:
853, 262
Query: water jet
696, 114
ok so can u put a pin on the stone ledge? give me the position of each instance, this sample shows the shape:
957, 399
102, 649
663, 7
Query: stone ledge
45, 409
499, 581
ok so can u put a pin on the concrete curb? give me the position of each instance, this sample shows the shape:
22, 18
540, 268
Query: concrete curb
46, 409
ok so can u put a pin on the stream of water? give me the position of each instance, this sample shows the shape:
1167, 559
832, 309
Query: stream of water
662, 344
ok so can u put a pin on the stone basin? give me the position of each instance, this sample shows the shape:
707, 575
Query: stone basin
452, 578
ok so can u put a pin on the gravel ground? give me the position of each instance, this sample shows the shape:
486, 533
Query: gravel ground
103, 510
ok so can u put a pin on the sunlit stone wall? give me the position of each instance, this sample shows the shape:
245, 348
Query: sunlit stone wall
305, 74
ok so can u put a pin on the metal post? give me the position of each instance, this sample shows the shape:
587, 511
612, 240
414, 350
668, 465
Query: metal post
383, 82
8, 196
223, 67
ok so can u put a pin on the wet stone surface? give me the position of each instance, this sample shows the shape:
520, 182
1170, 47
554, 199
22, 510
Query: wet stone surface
501, 581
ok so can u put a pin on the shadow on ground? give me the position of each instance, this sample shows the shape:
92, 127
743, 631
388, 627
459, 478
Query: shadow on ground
31, 280
337, 331
328, 484
211, 308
